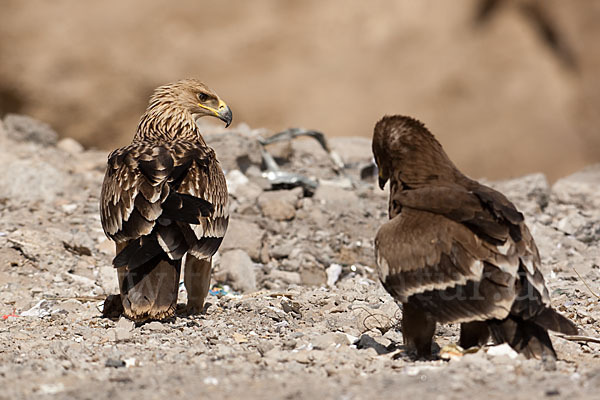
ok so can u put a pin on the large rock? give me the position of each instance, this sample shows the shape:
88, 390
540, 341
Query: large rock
26, 129
244, 235
235, 150
280, 205
580, 188
237, 269
31, 180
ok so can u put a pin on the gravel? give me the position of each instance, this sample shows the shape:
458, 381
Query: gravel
298, 312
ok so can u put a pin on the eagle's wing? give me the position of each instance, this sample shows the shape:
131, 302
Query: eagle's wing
444, 268
493, 221
164, 197
490, 216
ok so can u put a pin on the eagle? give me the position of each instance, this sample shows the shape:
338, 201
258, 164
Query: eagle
456, 251
164, 197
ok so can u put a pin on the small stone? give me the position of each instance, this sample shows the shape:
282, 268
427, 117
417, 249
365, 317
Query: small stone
125, 324
290, 306
302, 357
253, 357
264, 347
156, 326
69, 208
330, 339
239, 338
114, 363
367, 342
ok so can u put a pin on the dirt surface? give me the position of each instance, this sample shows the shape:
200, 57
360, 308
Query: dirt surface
500, 99
299, 313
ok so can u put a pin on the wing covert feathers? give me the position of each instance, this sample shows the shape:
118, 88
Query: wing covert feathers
164, 198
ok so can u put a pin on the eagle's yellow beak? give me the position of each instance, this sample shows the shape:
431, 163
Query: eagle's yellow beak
223, 112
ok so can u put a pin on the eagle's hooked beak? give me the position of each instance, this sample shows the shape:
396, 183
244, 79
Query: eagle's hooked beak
382, 179
223, 112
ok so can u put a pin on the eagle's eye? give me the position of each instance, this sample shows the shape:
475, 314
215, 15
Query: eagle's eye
202, 97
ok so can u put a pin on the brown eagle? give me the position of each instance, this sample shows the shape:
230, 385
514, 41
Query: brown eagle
455, 250
165, 196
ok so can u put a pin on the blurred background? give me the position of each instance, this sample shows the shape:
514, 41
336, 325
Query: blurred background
508, 86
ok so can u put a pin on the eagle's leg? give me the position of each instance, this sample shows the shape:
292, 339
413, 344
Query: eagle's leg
197, 281
150, 291
417, 330
473, 334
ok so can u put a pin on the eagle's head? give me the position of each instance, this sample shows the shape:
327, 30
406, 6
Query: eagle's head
193, 98
405, 150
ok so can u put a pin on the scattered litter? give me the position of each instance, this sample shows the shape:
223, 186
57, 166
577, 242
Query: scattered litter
114, 363
221, 290
40, 310
11, 315
333, 274
130, 362
451, 352
287, 180
503, 349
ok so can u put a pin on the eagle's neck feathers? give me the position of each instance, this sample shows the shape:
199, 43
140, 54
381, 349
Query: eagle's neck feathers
166, 121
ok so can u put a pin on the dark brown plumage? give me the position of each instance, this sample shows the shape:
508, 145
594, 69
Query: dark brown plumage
455, 250
165, 196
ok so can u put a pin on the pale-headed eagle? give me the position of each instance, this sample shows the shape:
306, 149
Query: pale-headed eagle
165, 196
455, 250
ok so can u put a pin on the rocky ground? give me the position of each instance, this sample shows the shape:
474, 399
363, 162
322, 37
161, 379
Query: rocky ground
297, 312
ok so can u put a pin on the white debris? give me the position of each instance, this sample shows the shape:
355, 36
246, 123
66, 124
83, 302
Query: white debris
40, 310
502, 350
130, 362
333, 274
210, 380
69, 208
